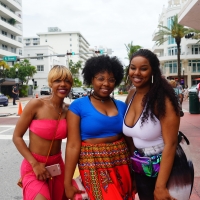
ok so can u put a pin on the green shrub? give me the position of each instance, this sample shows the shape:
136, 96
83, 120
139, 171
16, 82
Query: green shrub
23, 91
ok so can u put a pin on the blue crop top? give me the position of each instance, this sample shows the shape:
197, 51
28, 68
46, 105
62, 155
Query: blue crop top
94, 124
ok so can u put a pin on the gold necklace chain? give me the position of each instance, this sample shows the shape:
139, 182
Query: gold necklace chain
61, 110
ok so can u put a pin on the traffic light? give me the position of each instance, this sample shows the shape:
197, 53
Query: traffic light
70, 53
189, 35
100, 51
35, 83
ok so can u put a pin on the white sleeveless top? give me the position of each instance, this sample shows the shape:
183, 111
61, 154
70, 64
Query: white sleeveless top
146, 135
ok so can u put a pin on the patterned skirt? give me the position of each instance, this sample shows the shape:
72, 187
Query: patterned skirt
105, 171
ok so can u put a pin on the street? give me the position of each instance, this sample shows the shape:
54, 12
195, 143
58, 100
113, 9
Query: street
11, 159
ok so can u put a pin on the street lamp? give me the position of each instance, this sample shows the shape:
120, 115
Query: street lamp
16, 79
183, 78
1, 73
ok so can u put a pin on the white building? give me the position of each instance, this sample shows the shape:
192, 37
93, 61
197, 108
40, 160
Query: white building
167, 52
10, 28
55, 42
43, 65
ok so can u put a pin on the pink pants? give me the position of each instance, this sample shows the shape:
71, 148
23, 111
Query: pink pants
52, 189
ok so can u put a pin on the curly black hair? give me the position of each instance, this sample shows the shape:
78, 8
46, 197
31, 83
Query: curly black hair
159, 90
103, 63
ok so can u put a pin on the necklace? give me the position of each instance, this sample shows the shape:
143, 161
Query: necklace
61, 110
102, 100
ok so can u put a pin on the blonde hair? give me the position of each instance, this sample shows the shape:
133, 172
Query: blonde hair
173, 83
59, 72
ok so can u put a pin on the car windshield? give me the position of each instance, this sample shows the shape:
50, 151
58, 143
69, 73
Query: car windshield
78, 90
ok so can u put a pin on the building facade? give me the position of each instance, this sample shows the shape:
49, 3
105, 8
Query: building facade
11, 28
43, 65
167, 52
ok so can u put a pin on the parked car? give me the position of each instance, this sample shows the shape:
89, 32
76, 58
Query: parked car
88, 90
77, 92
45, 90
193, 88
3, 100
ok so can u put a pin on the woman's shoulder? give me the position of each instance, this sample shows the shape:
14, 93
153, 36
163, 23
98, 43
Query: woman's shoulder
79, 101
130, 95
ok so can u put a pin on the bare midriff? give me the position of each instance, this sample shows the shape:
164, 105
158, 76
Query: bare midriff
104, 140
41, 146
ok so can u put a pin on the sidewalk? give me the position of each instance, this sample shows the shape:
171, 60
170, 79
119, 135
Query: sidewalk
190, 126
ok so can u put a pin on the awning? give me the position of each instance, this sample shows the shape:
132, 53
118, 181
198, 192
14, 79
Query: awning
197, 79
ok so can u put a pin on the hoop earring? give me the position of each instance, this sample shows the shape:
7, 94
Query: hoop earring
127, 78
152, 79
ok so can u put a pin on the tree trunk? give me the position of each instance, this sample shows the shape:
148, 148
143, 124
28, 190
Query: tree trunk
178, 41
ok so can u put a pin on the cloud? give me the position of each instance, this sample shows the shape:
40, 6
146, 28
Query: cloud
110, 23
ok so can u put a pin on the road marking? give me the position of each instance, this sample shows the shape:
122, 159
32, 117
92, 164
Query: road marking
6, 130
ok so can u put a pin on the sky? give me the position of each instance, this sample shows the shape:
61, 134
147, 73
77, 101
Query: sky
107, 23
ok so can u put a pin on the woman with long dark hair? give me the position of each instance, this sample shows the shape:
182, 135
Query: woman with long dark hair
151, 124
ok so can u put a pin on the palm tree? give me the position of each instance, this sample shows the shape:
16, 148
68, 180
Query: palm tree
176, 31
130, 48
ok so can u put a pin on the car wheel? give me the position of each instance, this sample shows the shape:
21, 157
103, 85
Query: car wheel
5, 104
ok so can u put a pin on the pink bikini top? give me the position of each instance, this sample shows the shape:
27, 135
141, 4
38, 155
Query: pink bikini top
45, 128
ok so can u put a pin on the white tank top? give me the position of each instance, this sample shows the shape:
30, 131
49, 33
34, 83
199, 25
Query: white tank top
146, 135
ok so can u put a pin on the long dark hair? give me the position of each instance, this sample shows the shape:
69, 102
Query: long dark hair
154, 100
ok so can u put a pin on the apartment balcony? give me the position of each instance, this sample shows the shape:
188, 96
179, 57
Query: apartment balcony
158, 49
14, 30
83, 56
6, 52
9, 14
13, 4
10, 42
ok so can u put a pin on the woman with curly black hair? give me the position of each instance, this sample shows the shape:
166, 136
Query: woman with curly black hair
151, 124
95, 140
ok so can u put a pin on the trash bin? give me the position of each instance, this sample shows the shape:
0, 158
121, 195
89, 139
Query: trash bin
194, 105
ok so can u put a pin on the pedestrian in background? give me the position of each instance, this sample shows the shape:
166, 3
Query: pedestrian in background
151, 124
15, 94
95, 140
46, 120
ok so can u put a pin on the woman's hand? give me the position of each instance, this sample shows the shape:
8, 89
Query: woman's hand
71, 191
40, 171
162, 194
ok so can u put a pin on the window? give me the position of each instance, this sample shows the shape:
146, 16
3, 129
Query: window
40, 68
195, 64
3, 19
169, 22
35, 38
4, 47
70, 45
13, 50
27, 40
4, 32
172, 51
20, 52
70, 39
172, 66
35, 43
27, 44
41, 58
12, 37
171, 40
3, 4
195, 49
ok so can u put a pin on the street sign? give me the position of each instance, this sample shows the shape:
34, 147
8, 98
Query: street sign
10, 58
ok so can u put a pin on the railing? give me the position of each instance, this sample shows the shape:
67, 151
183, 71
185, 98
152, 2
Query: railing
18, 27
19, 15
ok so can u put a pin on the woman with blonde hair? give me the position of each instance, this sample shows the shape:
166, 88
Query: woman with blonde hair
46, 120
